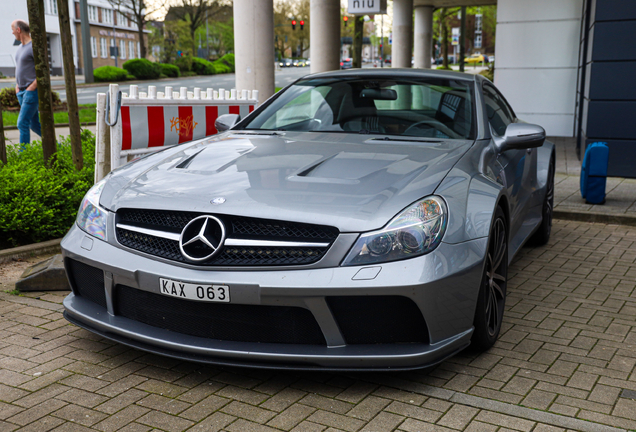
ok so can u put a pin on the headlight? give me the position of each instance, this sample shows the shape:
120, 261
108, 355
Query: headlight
416, 231
91, 217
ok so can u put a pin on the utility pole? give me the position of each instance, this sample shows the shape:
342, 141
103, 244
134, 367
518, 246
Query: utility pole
382, 43
69, 79
358, 29
462, 39
207, 37
43, 75
86, 42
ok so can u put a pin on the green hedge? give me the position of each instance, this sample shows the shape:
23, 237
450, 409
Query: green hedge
184, 63
109, 74
142, 68
8, 98
170, 70
39, 203
202, 66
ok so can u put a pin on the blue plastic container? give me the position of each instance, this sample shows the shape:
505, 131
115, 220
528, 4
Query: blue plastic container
594, 173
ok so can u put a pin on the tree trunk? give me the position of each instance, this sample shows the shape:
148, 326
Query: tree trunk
3, 147
69, 78
444, 43
358, 29
40, 56
142, 44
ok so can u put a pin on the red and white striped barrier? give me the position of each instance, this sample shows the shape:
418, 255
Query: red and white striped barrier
146, 122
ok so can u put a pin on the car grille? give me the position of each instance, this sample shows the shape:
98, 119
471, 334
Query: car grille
86, 281
236, 227
378, 319
228, 322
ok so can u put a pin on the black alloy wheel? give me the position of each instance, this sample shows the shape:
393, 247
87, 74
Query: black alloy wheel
542, 235
492, 294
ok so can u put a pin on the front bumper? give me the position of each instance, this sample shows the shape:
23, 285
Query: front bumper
444, 285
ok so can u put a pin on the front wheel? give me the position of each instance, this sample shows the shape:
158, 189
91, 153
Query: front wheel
492, 293
542, 235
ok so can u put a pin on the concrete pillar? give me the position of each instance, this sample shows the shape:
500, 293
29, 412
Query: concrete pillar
423, 43
254, 46
324, 34
401, 50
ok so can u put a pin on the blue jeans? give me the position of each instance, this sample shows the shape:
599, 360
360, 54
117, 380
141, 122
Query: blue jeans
28, 118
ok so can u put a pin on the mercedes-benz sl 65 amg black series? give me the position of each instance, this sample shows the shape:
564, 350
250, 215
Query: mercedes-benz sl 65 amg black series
358, 219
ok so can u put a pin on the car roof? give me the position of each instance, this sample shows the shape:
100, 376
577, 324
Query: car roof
393, 73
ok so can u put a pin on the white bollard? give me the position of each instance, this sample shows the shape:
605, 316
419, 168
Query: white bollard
152, 92
134, 91
197, 93
176, 95
183, 93
143, 95
190, 95
227, 95
160, 95
221, 94
168, 94
233, 94
211, 94
255, 95
245, 94
216, 95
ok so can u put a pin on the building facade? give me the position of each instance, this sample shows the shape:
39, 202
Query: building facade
109, 27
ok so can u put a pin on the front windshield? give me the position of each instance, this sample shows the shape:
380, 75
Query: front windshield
428, 108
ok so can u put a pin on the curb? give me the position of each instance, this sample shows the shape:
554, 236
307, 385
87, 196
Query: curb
604, 218
34, 249
57, 125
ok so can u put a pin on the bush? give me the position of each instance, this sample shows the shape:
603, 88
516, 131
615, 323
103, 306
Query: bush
227, 59
184, 63
130, 77
202, 66
8, 98
221, 68
170, 70
109, 74
39, 203
188, 74
142, 68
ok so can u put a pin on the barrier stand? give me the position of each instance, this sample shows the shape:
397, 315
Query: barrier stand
143, 122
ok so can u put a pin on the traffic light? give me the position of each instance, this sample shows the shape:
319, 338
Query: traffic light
302, 23
346, 20
293, 24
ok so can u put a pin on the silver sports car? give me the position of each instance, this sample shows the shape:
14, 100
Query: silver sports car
358, 219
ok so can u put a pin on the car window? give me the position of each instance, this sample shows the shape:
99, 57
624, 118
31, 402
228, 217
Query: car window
500, 115
431, 108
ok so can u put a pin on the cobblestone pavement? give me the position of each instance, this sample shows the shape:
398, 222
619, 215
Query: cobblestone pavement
565, 361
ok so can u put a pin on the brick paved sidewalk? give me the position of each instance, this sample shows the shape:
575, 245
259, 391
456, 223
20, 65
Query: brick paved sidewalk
565, 361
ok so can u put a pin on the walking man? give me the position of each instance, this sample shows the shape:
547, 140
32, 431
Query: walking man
26, 84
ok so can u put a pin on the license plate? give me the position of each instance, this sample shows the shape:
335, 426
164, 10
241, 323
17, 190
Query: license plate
191, 291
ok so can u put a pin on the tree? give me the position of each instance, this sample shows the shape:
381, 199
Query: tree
221, 36
296, 41
195, 13
139, 12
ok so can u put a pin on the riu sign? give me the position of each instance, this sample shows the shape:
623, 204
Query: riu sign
367, 7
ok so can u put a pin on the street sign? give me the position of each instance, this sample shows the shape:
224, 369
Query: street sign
455, 35
366, 7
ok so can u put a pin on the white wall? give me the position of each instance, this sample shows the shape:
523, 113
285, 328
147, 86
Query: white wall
536, 54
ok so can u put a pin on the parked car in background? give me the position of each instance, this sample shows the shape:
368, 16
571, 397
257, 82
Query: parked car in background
300, 63
476, 58
346, 63
285, 63
337, 226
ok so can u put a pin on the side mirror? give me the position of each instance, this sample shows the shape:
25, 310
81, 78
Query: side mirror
226, 121
520, 136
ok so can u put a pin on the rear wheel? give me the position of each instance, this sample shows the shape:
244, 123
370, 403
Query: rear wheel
492, 293
542, 235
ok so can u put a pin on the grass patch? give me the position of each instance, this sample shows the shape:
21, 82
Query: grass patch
14, 292
87, 114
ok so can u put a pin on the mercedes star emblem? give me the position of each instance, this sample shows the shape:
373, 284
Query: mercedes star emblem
201, 238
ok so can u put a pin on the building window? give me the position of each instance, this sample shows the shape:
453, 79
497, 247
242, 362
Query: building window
122, 20
112, 44
94, 47
92, 13
104, 47
122, 49
131, 50
50, 7
107, 16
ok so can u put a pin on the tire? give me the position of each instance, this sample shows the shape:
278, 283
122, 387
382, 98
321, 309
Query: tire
492, 293
542, 234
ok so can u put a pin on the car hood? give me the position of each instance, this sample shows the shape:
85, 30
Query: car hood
353, 182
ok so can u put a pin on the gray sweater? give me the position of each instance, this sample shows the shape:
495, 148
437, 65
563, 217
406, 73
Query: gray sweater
24, 65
